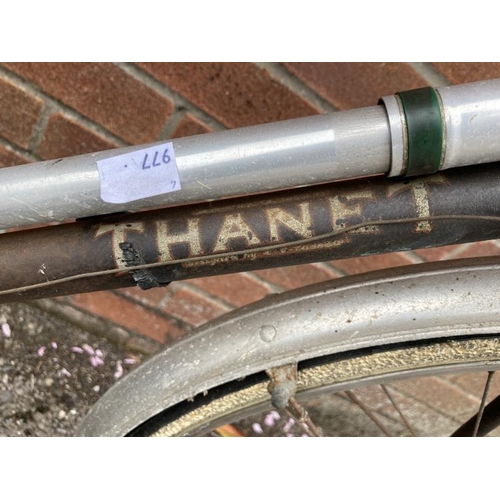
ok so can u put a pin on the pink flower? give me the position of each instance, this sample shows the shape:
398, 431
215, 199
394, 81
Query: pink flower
271, 418
119, 370
88, 349
130, 361
95, 356
41, 351
257, 428
79, 350
96, 361
54, 345
65, 372
289, 425
6, 330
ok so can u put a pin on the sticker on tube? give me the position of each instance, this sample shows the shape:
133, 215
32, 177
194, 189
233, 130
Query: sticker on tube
140, 174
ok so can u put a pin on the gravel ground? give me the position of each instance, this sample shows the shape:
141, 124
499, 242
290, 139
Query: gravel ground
51, 372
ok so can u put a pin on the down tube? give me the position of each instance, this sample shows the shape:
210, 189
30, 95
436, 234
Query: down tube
333, 221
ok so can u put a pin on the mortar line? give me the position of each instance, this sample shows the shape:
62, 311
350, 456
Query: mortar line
328, 268
179, 323
413, 257
457, 251
461, 388
19, 150
207, 295
179, 101
41, 127
418, 398
297, 86
171, 125
335, 269
35, 90
272, 288
430, 74
94, 325
202, 293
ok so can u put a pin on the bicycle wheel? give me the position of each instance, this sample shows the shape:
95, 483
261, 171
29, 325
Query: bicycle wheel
377, 328
327, 383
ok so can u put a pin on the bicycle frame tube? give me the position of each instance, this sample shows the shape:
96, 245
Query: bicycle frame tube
213, 166
334, 221
417, 132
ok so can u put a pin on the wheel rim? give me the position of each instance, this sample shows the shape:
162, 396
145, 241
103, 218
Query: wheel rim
346, 373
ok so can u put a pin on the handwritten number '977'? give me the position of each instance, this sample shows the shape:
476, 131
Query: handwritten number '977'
165, 159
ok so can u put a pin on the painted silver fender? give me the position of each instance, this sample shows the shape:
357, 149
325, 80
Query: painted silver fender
403, 304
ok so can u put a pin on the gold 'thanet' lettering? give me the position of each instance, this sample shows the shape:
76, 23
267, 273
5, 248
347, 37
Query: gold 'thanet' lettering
420, 192
233, 227
300, 225
165, 240
339, 210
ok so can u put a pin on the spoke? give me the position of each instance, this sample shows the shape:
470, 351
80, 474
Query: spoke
303, 419
483, 404
403, 418
489, 420
373, 417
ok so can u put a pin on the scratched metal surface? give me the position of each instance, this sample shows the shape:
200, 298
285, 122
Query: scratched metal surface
362, 217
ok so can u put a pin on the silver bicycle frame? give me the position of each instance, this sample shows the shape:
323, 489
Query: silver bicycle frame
270, 157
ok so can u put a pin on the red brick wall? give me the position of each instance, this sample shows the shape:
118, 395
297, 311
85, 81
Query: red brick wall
53, 110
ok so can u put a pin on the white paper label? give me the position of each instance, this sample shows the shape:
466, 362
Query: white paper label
140, 174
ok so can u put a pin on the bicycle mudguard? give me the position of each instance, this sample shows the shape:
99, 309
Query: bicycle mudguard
333, 221
345, 314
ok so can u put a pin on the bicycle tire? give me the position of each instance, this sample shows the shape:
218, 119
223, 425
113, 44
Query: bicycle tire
431, 309
330, 374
